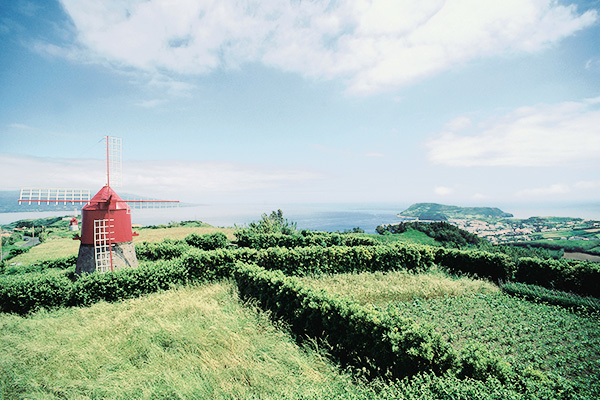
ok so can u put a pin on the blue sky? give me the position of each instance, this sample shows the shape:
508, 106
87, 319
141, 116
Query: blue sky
464, 102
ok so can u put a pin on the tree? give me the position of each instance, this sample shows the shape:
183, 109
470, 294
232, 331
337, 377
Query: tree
273, 223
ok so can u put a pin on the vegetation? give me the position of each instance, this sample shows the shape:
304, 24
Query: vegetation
442, 232
413, 319
441, 212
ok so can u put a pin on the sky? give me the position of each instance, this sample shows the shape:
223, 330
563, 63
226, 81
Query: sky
463, 102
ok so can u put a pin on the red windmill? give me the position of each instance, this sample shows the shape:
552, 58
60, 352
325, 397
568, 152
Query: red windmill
106, 234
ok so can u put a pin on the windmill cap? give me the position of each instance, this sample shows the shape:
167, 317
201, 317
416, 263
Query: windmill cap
105, 196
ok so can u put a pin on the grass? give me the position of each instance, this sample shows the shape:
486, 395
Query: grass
381, 288
54, 247
192, 342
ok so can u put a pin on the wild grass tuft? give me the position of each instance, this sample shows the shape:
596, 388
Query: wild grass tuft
192, 342
380, 288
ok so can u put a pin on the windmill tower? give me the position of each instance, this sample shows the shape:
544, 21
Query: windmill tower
106, 234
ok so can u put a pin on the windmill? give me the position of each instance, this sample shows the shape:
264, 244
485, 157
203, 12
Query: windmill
106, 234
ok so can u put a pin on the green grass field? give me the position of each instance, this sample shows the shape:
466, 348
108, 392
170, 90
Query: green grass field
193, 342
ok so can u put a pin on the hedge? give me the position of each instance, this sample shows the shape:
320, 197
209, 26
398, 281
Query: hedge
555, 297
303, 239
377, 342
494, 266
27, 293
578, 277
209, 241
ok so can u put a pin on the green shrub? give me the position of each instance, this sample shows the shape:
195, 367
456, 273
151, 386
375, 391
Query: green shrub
22, 294
493, 266
211, 241
555, 297
577, 277
164, 250
372, 341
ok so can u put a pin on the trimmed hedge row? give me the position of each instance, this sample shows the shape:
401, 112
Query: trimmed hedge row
377, 342
316, 260
165, 250
27, 293
559, 298
209, 241
494, 266
577, 277
258, 241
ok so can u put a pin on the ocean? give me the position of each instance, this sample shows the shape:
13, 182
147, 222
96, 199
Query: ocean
320, 217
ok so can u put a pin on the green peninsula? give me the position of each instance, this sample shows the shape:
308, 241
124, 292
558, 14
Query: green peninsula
441, 212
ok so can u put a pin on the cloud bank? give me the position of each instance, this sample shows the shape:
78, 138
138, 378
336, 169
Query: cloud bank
186, 181
538, 136
372, 45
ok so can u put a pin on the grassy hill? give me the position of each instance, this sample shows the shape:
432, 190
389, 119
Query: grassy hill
441, 212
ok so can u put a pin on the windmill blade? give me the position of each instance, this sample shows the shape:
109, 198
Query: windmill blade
114, 169
54, 195
146, 204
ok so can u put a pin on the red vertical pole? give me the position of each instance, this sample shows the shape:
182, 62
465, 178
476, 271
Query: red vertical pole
107, 162
110, 238
109, 202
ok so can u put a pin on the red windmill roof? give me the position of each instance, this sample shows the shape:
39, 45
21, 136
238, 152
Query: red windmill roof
105, 196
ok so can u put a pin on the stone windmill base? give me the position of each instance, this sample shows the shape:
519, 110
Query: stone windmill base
123, 255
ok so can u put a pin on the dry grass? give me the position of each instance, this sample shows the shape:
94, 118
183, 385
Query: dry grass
382, 288
55, 248
192, 342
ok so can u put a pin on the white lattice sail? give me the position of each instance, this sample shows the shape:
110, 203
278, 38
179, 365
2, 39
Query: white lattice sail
54, 195
114, 169
103, 231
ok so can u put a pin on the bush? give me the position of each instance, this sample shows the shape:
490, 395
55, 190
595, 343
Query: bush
369, 340
493, 266
211, 241
22, 294
577, 277
165, 250
555, 297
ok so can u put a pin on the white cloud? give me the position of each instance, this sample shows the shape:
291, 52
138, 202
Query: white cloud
373, 45
543, 135
184, 180
552, 190
20, 126
443, 190
374, 154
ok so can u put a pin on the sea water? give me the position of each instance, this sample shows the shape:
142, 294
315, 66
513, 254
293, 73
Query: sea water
320, 217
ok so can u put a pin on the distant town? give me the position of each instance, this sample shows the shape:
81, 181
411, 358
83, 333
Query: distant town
527, 230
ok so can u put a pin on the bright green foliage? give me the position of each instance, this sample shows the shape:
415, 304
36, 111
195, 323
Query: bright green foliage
374, 342
165, 250
545, 343
211, 241
248, 238
483, 264
578, 277
273, 223
563, 299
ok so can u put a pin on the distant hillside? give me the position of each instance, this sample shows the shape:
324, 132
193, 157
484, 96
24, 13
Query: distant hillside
441, 212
